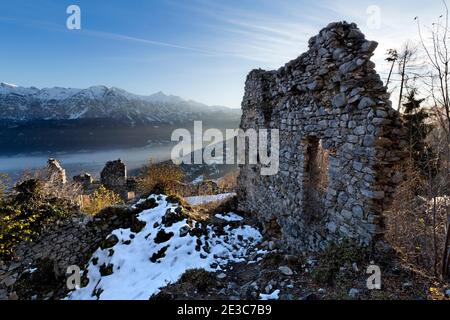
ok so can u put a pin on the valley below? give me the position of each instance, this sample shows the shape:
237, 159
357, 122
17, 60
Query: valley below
85, 128
76, 162
86, 148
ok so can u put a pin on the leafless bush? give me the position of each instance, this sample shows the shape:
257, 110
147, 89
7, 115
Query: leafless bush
159, 177
70, 191
416, 222
438, 140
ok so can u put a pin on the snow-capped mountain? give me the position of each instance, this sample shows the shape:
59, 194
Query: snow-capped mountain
100, 102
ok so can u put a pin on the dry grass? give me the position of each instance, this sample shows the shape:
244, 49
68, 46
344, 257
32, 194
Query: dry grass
202, 212
205, 211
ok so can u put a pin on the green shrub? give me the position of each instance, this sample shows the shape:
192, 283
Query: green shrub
25, 213
14, 228
100, 199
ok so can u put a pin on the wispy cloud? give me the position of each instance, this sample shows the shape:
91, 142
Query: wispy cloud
271, 39
95, 33
205, 50
122, 37
206, 39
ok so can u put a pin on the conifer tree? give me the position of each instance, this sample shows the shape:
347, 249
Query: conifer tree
415, 116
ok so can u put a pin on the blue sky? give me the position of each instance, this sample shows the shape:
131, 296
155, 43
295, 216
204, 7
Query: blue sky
197, 49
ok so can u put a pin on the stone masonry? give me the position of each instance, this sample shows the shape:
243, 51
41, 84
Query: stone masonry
340, 141
68, 242
114, 175
56, 173
84, 179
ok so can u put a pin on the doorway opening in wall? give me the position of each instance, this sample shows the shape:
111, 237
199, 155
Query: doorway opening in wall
316, 178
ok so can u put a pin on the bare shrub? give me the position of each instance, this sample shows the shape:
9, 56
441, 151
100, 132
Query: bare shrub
70, 191
100, 199
438, 140
416, 221
159, 178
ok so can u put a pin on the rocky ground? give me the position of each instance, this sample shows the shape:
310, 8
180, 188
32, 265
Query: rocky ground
211, 251
287, 277
338, 273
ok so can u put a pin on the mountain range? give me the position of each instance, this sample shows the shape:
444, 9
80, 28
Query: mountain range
97, 118
20, 104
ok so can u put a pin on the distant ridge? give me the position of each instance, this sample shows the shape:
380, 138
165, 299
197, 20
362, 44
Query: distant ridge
101, 102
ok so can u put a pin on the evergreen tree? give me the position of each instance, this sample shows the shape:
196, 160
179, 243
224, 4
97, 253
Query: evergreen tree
422, 155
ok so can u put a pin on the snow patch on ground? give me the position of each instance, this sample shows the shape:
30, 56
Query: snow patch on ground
272, 296
196, 200
198, 180
230, 216
136, 277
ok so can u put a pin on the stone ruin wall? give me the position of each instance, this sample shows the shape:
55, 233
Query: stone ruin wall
114, 176
67, 242
55, 172
330, 101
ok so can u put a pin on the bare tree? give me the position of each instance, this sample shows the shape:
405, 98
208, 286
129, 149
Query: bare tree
435, 46
437, 53
406, 66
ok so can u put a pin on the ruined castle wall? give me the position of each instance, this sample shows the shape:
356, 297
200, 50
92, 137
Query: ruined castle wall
114, 175
68, 242
330, 99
